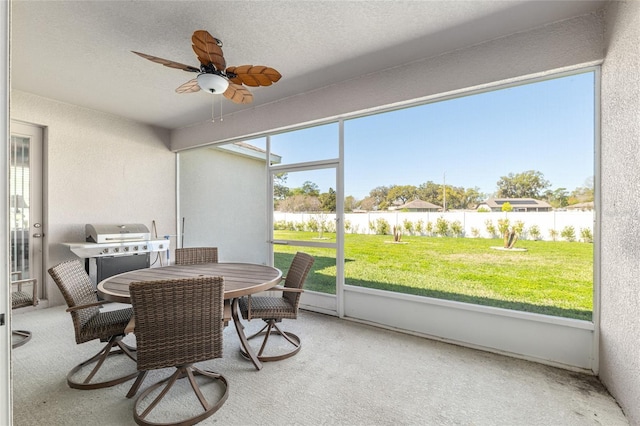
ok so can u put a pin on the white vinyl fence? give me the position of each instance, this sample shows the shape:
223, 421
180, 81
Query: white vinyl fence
472, 224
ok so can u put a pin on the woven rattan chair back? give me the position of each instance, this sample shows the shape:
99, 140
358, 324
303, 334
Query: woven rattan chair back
77, 289
196, 255
90, 324
177, 323
296, 276
20, 297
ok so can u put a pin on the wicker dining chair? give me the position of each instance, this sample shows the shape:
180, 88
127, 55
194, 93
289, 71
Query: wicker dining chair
200, 255
177, 323
20, 298
90, 323
196, 255
274, 309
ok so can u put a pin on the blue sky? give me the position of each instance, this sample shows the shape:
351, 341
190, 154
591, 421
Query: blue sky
473, 140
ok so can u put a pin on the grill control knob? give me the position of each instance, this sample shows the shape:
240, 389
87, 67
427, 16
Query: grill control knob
105, 251
144, 247
135, 248
117, 249
126, 249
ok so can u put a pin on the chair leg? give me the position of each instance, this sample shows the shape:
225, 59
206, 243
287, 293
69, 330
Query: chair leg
136, 384
271, 327
99, 359
181, 372
24, 337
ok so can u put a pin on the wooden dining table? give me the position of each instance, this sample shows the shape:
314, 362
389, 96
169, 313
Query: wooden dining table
240, 279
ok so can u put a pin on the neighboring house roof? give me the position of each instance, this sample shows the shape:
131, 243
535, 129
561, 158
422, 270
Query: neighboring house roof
517, 203
419, 204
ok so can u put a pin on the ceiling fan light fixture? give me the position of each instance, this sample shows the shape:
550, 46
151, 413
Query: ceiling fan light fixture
212, 83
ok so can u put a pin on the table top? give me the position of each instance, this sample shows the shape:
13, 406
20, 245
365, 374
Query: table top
240, 279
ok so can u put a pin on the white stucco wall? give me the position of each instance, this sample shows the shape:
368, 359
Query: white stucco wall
100, 168
556, 46
620, 220
223, 202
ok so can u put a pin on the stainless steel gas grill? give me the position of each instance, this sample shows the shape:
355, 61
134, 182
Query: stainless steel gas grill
114, 249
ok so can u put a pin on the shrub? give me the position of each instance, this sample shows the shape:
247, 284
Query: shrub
553, 234
313, 225
298, 226
429, 228
491, 229
329, 226
518, 227
534, 232
586, 235
483, 209
475, 232
456, 228
568, 233
506, 207
382, 227
503, 226
280, 225
347, 225
408, 226
419, 226
442, 227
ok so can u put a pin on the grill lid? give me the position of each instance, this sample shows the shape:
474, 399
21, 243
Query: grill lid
109, 233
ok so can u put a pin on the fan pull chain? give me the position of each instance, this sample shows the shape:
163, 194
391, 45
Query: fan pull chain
213, 103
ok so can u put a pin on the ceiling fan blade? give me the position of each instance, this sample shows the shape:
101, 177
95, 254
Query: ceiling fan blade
167, 63
190, 86
207, 49
254, 75
238, 94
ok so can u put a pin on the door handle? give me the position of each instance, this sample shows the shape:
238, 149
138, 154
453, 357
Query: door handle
37, 235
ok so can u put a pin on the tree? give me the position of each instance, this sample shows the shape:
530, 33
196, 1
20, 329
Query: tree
299, 203
350, 203
430, 192
280, 191
368, 204
379, 194
308, 188
471, 198
558, 197
401, 193
529, 184
328, 201
582, 194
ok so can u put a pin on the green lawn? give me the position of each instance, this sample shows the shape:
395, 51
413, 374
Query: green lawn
553, 278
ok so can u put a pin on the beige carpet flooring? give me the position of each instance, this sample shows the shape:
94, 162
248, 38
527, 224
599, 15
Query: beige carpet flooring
346, 374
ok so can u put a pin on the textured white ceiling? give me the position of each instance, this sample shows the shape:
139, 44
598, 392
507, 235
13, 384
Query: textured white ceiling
79, 51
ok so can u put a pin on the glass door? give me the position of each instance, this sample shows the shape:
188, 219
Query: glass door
25, 202
306, 214
306, 220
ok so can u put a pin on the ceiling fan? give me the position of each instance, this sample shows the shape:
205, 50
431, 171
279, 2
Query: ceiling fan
214, 76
